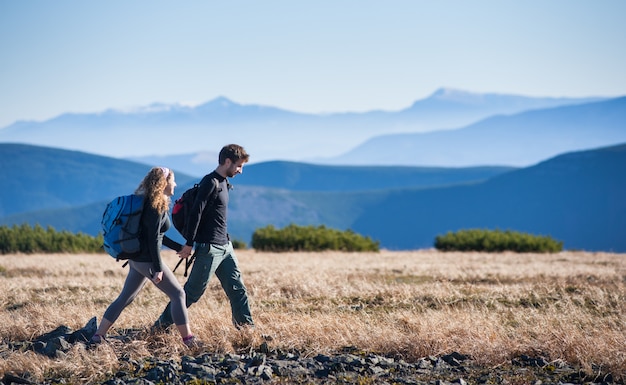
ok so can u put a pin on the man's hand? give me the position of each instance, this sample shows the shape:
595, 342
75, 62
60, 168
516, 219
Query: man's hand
185, 251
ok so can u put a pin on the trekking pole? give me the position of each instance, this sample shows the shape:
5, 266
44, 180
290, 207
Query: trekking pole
180, 260
189, 263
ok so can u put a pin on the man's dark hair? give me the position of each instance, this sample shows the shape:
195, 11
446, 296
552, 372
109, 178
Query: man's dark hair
234, 152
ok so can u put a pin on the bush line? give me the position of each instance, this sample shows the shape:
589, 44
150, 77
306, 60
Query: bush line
496, 241
28, 240
310, 238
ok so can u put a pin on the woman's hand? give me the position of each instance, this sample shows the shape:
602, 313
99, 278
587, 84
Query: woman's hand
157, 277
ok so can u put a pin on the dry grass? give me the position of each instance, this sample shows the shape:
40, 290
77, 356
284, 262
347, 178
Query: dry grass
569, 306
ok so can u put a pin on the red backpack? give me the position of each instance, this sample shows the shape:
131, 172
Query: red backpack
182, 206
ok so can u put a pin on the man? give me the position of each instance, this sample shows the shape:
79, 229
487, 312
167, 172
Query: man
207, 227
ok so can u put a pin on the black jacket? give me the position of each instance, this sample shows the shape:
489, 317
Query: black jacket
208, 214
152, 237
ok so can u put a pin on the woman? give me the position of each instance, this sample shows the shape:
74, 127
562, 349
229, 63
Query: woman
157, 187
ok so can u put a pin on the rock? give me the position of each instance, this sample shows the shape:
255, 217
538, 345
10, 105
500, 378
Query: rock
56, 346
60, 331
58, 342
11, 379
85, 333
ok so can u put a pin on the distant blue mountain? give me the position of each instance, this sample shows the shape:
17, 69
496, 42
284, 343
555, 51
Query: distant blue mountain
267, 133
38, 178
474, 107
576, 197
311, 177
515, 140
197, 164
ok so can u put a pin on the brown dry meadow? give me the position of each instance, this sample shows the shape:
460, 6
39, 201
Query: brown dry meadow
569, 306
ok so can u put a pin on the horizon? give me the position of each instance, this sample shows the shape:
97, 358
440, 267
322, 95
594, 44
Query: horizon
314, 58
151, 107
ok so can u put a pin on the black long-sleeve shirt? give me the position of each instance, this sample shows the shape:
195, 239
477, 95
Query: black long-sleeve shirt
207, 222
152, 237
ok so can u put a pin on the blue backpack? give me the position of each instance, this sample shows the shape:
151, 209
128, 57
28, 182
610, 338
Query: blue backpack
121, 225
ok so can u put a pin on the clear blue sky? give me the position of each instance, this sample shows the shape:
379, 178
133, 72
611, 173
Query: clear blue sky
310, 56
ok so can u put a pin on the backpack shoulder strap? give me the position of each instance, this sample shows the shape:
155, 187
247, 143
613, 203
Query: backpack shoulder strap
216, 190
215, 182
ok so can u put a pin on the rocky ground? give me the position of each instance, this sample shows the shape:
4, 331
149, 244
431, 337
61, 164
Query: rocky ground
350, 366
343, 368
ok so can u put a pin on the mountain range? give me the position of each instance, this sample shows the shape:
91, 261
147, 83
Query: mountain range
38, 178
519, 140
576, 197
455, 160
268, 133
515, 140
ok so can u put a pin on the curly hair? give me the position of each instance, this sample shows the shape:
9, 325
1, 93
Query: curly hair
152, 187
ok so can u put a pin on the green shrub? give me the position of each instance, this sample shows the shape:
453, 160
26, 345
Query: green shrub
310, 238
29, 240
496, 241
239, 244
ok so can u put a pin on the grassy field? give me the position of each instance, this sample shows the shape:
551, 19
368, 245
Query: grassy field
569, 306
